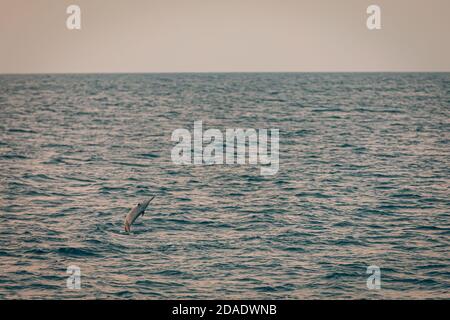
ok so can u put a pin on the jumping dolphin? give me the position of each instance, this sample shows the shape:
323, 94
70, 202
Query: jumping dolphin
134, 213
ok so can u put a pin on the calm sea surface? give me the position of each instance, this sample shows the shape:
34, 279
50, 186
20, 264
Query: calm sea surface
364, 180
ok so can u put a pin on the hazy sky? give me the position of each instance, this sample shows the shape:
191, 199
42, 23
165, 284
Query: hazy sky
223, 35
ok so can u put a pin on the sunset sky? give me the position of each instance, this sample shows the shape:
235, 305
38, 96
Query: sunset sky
223, 36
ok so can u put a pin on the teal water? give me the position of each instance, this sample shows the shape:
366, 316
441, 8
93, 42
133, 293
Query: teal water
363, 180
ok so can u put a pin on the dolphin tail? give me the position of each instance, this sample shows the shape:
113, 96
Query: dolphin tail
127, 226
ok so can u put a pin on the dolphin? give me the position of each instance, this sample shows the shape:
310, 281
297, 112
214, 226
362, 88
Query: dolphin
134, 213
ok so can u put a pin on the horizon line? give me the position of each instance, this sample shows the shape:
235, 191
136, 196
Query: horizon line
212, 72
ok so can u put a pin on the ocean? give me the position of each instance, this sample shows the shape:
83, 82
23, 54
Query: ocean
363, 181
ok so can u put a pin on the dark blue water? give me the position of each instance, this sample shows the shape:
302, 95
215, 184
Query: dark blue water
363, 180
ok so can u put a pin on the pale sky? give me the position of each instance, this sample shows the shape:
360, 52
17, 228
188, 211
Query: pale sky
223, 36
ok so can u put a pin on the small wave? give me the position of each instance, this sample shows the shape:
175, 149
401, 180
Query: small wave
128, 164
171, 273
111, 189
148, 155
77, 252
13, 156
38, 176
152, 283
21, 130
